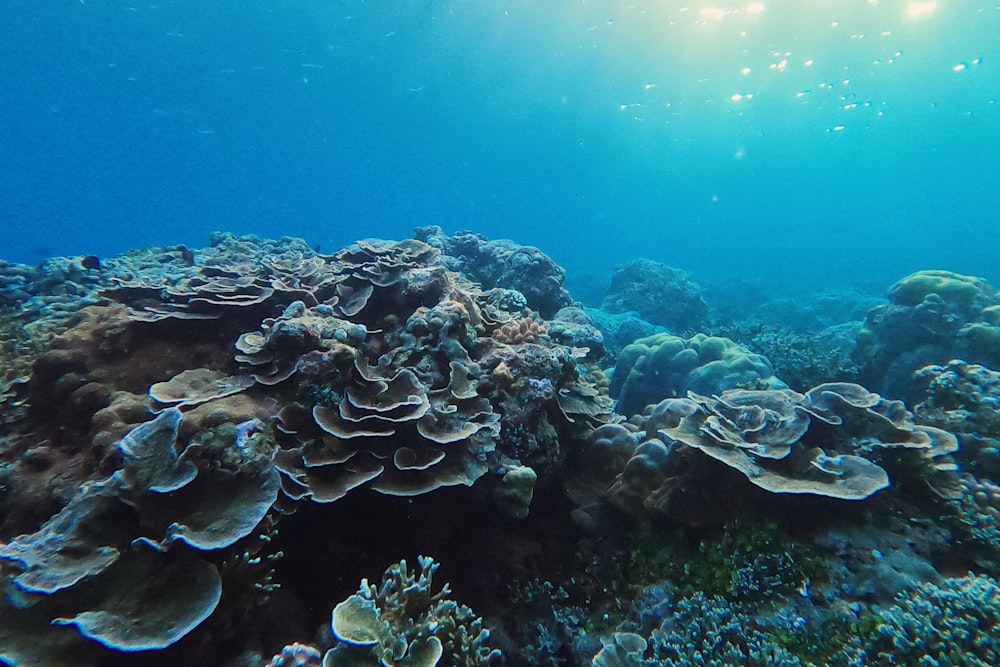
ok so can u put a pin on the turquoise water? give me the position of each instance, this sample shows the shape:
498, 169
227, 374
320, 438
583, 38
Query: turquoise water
809, 143
210, 453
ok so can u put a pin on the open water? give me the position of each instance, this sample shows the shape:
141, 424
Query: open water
804, 143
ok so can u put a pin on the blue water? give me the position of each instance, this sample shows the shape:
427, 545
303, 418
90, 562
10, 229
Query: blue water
859, 144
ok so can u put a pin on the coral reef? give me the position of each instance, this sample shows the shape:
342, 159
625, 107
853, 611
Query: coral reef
965, 399
819, 618
503, 264
94, 566
519, 332
619, 330
932, 317
954, 622
827, 442
164, 412
664, 366
802, 359
404, 622
972, 517
875, 563
573, 326
814, 312
37, 303
699, 630
297, 655
198, 385
416, 386
660, 294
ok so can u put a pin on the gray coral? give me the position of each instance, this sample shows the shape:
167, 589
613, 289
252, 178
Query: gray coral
664, 366
660, 294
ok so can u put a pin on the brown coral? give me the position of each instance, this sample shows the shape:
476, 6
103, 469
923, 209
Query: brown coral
520, 332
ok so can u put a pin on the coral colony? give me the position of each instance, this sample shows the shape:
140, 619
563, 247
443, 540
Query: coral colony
211, 455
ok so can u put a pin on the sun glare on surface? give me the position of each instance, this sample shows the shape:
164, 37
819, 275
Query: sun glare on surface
714, 13
787, 65
718, 13
918, 9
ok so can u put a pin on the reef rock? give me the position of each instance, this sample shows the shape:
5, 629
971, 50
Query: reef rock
660, 294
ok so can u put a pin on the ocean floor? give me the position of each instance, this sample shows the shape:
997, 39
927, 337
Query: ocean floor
441, 451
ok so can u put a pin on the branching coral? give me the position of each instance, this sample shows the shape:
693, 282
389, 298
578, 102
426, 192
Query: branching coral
698, 629
404, 622
954, 622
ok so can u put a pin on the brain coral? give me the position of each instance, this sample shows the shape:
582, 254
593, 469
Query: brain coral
664, 366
